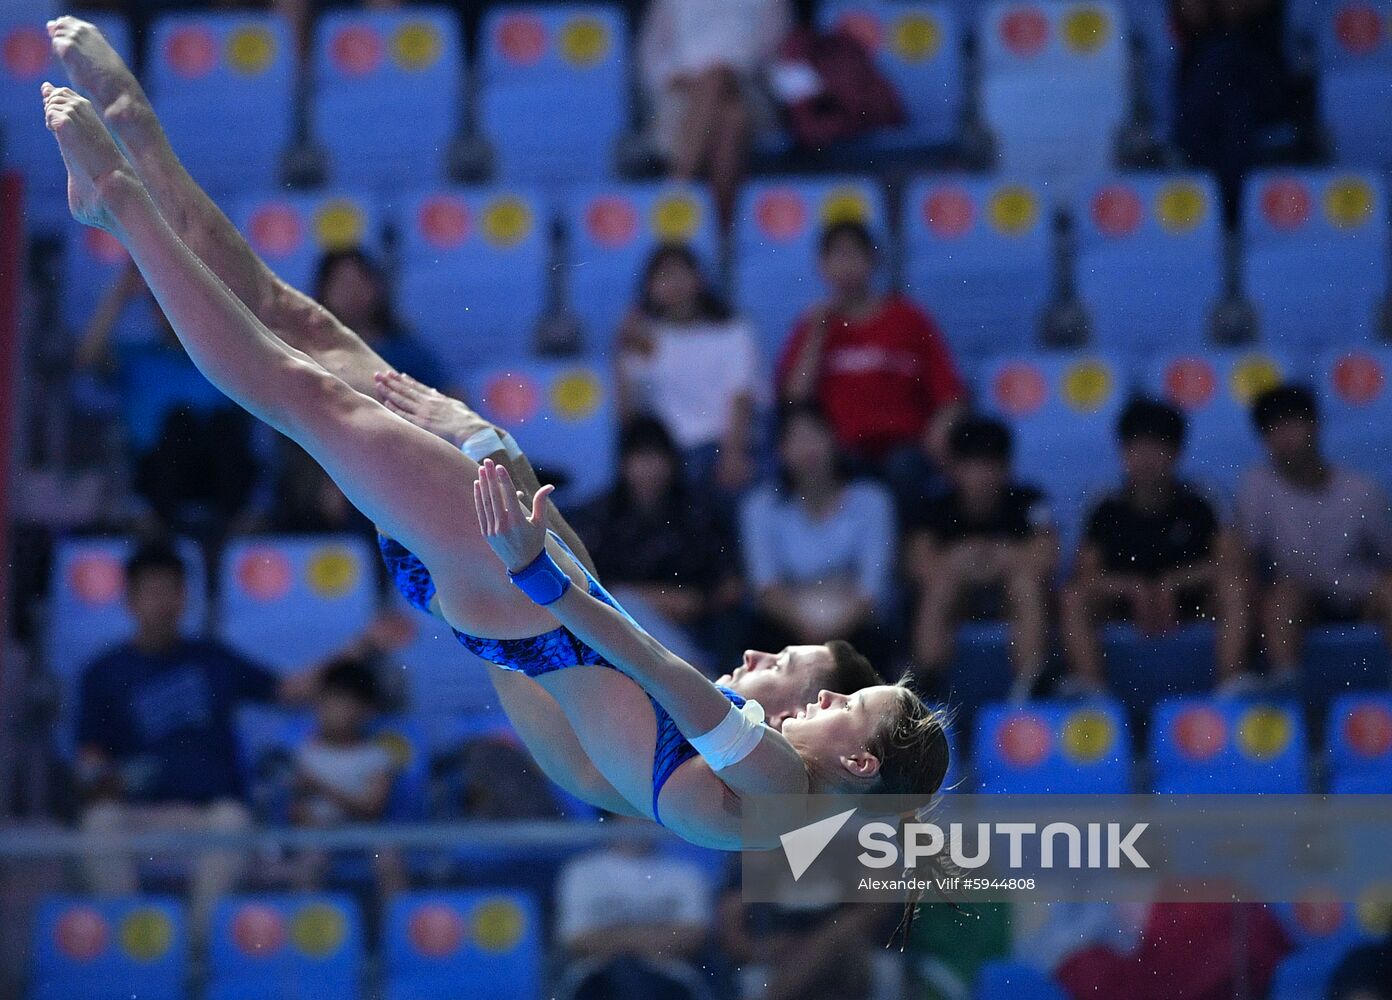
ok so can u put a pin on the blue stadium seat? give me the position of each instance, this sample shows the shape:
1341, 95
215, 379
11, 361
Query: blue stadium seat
1152, 30
1342, 659
919, 49
224, 88
1149, 267
612, 230
286, 946
1316, 257
462, 945
26, 61
87, 612
1062, 407
777, 229
475, 274
1221, 746
562, 414
554, 91
368, 67
1323, 930
292, 231
1052, 747
1359, 740
1018, 980
981, 672
1215, 389
92, 263
1143, 671
86, 949
1356, 403
290, 602
1354, 50
1054, 85
978, 256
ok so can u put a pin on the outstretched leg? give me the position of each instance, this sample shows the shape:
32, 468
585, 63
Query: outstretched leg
304, 324
407, 480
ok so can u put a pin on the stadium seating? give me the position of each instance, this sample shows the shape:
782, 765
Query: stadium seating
284, 947
1052, 748
1149, 266
1144, 670
92, 262
292, 231
442, 677
1341, 659
87, 613
562, 414
1201, 746
776, 233
1158, 62
388, 95
978, 256
462, 945
1359, 740
1009, 978
475, 273
1054, 87
1323, 931
291, 602
612, 230
1355, 79
919, 49
26, 61
1215, 390
1316, 260
87, 949
554, 91
1356, 404
1062, 407
215, 78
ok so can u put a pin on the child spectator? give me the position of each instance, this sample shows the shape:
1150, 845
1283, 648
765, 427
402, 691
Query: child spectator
819, 549
657, 542
352, 286
683, 358
1321, 534
877, 366
342, 775
985, 547
700, 61
1154, 552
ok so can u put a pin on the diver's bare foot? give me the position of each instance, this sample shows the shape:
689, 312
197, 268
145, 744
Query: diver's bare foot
91, 156
428, 408
93, 65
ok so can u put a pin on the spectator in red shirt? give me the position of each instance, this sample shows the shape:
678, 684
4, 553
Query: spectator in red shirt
876, 365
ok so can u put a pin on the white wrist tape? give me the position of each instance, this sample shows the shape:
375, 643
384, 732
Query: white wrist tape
734, 738
510, 445
482, 443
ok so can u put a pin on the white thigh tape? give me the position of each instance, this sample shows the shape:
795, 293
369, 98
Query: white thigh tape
734, 738
482, 443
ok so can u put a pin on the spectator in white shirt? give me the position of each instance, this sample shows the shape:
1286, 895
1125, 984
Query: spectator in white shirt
684, 359
700, 61
632, 922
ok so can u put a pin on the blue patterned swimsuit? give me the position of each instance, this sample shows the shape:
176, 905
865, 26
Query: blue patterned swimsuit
541, 654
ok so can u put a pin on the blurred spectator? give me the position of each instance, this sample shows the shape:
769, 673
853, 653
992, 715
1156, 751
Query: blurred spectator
700, 62
656, 541
1232, 86
308, 501
1364, 973
156, 746
492, 776
1154, 552
686, 360
1321, 534
632, 922
190, 447
985, 547
342, 775
819, 549
877, 365
352, 286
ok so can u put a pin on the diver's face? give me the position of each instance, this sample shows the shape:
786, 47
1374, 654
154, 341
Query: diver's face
781, 682
840, 727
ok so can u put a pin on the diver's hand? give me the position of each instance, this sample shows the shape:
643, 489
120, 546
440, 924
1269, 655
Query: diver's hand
515, 537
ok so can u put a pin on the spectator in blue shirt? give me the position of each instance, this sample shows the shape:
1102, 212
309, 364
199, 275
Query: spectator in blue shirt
352, 286
819, 548
156, 746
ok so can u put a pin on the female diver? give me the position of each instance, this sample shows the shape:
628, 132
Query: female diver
412, 484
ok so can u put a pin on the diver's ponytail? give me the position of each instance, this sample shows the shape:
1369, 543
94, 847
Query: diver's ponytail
938, 867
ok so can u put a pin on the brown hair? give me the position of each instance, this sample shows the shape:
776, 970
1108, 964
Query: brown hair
850, 670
